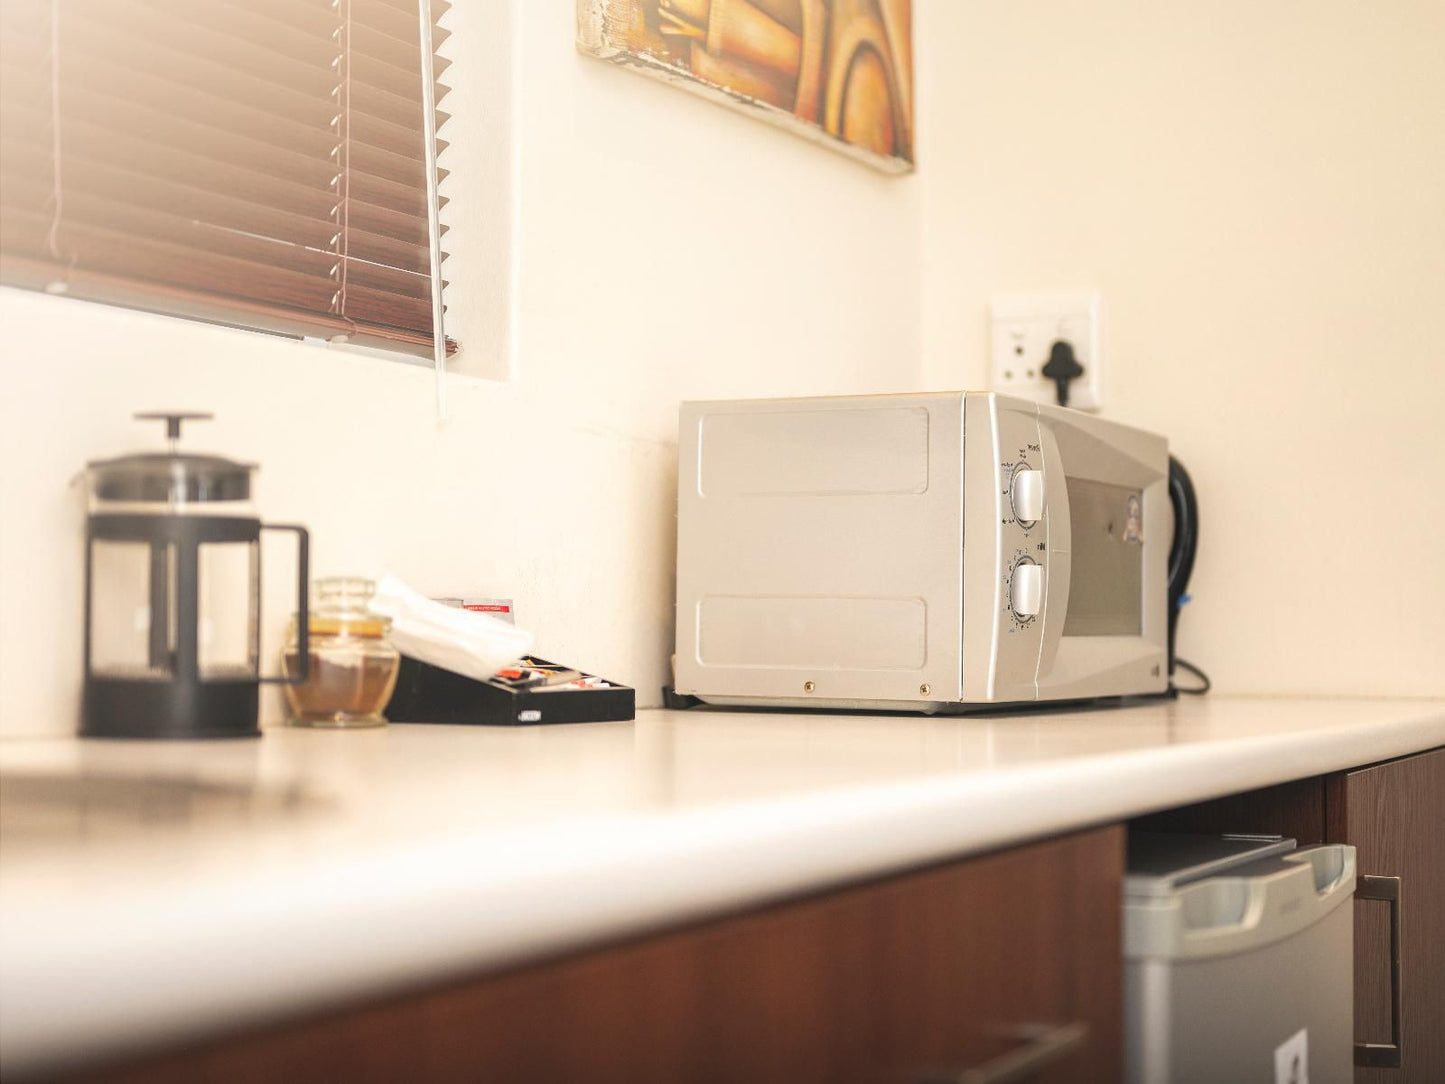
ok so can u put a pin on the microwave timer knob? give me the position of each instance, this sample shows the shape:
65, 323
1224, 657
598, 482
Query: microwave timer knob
1026, 494
1026, 588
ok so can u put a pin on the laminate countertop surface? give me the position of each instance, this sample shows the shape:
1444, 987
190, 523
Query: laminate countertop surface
153, 893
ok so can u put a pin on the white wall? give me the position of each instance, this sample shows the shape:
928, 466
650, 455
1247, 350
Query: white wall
1258, 190
620, 244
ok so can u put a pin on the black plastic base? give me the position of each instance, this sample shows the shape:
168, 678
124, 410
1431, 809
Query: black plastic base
129, 708
429, 694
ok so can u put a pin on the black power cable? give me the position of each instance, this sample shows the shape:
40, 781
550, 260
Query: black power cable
1181, 563
1204, 683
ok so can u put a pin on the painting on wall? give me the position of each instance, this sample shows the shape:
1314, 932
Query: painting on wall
837, 71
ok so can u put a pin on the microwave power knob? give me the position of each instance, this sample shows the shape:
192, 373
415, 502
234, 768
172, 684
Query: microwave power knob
1026, 589
1026, 494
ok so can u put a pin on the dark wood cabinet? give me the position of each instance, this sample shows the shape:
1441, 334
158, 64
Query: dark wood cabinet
1394, 815
1013, 956
1295, 809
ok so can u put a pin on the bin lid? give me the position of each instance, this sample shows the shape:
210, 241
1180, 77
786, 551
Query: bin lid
1160, 862
1223, 905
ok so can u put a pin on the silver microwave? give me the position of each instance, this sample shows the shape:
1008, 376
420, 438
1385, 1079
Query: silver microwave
928, 552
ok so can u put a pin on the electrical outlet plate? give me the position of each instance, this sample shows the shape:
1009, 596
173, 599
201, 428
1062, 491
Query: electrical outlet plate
1023, 329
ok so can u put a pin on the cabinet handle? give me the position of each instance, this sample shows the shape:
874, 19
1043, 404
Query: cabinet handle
1385, 1055
1043, 1045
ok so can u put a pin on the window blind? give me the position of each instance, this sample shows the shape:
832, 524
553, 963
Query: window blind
258, 163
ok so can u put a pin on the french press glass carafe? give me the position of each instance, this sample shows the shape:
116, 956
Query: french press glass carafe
173, 595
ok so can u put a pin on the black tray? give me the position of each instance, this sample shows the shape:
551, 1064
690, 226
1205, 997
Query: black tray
429, 694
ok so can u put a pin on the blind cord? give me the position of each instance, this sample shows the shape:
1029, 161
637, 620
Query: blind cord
433, 208
343, 149
57, 194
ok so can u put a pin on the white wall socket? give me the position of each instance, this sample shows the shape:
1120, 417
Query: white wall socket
1023, 329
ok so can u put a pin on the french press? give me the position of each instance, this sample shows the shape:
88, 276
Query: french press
173, 595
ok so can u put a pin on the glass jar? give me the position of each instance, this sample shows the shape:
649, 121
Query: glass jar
353, 665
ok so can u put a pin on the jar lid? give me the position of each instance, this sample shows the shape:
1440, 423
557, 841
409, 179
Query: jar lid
171, 477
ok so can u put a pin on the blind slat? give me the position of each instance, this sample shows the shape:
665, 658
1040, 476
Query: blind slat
87, 211
180, 166
104, 92
229, 264
197, 304
299, 34
101, 144
152, 260
398, 23
97, 224
96, 129
123, 85
282, 148
23, 173
133, 21
389, 223
192, 73
302, 33
165, 194
385, 309
388, 195
315, 18
398, 52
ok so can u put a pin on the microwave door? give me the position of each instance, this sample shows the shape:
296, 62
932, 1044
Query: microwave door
1060, 568
1105, 631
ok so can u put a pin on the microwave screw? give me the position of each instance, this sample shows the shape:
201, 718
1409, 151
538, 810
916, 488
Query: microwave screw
809, 686
924, 689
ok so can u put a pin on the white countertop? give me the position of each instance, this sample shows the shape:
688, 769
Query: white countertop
193, 888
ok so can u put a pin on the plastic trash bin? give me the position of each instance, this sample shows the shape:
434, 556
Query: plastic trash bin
1239, 961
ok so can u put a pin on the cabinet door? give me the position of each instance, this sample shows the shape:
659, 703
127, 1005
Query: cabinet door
1394, 814
1010, 960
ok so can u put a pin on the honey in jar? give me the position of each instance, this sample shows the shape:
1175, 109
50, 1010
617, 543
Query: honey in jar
353, 667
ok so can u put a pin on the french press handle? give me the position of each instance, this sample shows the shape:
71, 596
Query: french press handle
303, 607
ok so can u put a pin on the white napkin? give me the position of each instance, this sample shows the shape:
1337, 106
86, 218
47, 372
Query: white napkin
475, 645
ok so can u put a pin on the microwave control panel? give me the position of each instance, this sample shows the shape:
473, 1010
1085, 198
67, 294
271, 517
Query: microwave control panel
1024, 537
1022, 549
1023, 505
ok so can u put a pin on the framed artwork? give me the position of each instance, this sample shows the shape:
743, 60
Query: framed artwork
837, 71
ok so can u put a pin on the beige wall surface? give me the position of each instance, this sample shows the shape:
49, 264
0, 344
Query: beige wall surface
1258, 191
617, 244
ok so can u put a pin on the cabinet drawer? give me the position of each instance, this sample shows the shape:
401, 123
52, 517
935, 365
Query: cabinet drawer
933, 970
